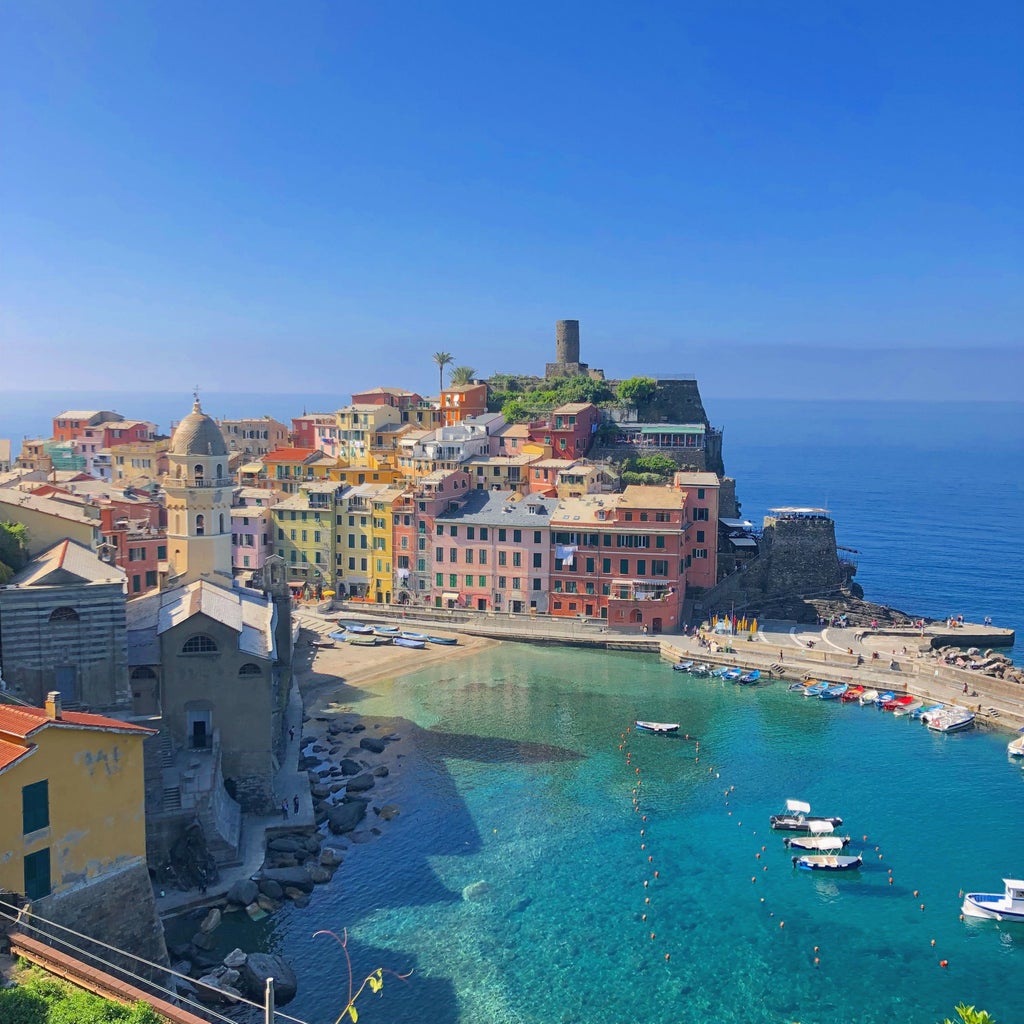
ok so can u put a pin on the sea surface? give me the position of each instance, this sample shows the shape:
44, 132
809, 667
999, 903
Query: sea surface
515, 774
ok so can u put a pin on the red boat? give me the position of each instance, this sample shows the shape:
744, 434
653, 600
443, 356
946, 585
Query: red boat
852, 694
897, 702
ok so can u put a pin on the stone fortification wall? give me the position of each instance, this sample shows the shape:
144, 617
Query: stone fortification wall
118, 909
728, 505
801, 556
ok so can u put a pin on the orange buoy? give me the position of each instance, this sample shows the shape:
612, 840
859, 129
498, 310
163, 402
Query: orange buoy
817, 960
782, 924
890, 879
667, 956
657, 874
915, 891
943, 963
652, 935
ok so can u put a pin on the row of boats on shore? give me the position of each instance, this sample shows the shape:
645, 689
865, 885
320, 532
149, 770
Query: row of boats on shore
937, 716
362, 634
816, 833
730, 675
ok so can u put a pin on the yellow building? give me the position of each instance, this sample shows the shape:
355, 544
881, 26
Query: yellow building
71, 785
354, 476
287, 468
358, 427
305, 536
382, 534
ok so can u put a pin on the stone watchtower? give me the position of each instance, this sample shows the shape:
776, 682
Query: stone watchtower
199, 491
567, 353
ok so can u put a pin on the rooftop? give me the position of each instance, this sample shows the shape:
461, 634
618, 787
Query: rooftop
66, 562
502, 508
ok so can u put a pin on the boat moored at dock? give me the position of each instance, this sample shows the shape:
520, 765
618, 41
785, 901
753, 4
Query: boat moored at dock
951, 720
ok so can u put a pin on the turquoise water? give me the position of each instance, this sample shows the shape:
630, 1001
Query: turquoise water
513, 776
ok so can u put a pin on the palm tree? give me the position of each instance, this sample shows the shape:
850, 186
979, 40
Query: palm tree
442, 359
462, 375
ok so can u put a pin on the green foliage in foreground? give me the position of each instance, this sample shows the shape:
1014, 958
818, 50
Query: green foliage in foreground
42, 999
13, 549
969, 1015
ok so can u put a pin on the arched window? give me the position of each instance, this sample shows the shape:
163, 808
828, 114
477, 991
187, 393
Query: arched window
249, 669
200, 525
220, 471
197, 470
64, 614
199, 644
143, 672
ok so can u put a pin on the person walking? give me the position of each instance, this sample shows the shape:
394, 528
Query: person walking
284, 809
295, 803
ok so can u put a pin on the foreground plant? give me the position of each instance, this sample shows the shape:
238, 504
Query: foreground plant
969, 1015
375, 980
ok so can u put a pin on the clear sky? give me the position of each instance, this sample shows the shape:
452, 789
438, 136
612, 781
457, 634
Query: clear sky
775, 196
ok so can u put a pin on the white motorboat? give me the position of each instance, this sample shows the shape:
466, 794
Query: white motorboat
951, 720
798, 818
820, 840
659, 727
1015, 748
827, 862
869, 697
1007, 906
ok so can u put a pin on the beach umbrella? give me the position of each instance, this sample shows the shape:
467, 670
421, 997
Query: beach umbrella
753, 627
329, 593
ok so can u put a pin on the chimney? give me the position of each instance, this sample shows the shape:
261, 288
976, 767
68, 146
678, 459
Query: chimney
53, 708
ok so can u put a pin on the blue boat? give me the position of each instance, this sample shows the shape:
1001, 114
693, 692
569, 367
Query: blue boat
354, 627
386, 630
719, 672
884, 698
750, 677
682, 666
408, 634
732, 674
926, 710
405, 641
813, 689
833, 692
447, 641
337, 635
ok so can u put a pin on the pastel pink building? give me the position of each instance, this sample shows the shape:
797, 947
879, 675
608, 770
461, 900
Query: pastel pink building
569, 430
700, 547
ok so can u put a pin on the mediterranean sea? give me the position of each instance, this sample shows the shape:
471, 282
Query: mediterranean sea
513, 776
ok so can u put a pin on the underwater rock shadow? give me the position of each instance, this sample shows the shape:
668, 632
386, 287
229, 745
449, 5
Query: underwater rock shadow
494, 749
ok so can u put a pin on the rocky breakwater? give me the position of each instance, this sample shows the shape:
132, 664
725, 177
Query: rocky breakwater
991, 663
344, 767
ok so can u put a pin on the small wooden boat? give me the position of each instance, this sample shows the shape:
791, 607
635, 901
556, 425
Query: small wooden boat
926, 714
900, 701
339, 635
901, 710
356, 627
852, 693
883, 698
750, 677
1006, 906
732, 674
321, 644
405, 641
682, 666
410, 635
386, 630
798, 818
827, 862
834, 691
446, 641
719, 672
363, 640
703, 670
815, 687
662, 728
868, 697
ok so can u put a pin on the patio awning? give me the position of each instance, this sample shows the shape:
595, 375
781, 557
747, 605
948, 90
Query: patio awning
673, 428
449, 595
743, 542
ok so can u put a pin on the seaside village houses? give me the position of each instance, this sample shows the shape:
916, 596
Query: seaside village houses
145, 644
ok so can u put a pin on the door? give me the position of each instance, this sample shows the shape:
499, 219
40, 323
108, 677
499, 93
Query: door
65, 682
481, 604
199, 730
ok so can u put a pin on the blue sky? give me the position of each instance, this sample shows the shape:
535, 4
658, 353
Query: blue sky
780, 198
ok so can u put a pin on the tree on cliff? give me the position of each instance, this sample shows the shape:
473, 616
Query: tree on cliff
637, 390
441, 360
13, 549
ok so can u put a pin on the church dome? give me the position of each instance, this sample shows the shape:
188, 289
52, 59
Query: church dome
198, 434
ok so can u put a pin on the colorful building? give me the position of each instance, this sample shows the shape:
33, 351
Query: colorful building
72, 786
492, 553
460, 401
286, 468
253, 436
252, 529
701, 496
570, 429
356, 426
620, 557
304, 534
382, 531
315, 430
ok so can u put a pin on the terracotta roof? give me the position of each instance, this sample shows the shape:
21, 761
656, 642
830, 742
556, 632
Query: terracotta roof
23, 721
290, 454
74, 559
12, 753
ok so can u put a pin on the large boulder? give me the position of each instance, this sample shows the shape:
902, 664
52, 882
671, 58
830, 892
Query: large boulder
361, 783
286, 844
242, 892
260, 966
297, 878
372, 744
268, 887
211, 921
349, 766
345, 817
234, 959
